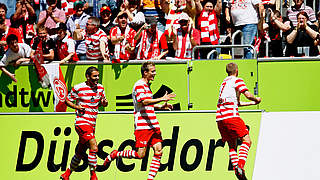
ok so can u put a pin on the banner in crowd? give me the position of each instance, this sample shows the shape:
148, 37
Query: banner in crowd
38, 60
58, 85
41, 147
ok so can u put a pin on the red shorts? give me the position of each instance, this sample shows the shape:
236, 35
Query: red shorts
148, 137
85, 132
232, 128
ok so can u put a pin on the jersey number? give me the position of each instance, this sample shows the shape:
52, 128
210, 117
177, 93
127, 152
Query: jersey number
223, 85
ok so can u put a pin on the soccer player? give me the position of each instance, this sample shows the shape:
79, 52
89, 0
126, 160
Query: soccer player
230, 125
147, 129
88, 95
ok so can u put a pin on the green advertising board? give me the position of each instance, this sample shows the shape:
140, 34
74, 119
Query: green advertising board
289, 85
41, 147
206, 77
283, 85
118, 79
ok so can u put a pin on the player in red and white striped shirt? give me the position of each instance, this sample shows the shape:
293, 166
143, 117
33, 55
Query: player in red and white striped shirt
230, 125
147, 129
87, 95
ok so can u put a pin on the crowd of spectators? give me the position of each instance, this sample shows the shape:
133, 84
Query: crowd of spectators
123, 30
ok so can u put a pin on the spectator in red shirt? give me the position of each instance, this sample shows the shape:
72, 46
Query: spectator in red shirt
153, 44
50, 17
185, 38
5, 31
24, 19
122, 36
65, 46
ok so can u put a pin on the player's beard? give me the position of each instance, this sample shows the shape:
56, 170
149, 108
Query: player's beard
93, 82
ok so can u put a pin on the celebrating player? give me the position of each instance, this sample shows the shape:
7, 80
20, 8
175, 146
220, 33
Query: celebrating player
88, 95
230, 125
147, 129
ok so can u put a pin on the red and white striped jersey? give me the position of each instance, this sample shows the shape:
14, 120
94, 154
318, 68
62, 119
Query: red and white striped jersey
230, 90
88, 98
144, 116
93, 45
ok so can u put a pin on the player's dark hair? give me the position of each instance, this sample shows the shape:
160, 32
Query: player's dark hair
90, 70
145, 66
231, 68
11, 38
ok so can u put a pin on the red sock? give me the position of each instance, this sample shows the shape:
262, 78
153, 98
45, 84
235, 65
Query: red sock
243, 154
233, 157
154, 166
128, 154
92, 159
68, 172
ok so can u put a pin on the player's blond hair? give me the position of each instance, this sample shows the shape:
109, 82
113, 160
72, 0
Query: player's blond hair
231, 68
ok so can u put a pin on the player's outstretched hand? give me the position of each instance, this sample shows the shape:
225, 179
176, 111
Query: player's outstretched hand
167, 106
168, 97
258, 100
104, 102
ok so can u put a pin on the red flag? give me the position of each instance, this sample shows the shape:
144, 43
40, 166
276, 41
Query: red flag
58, 86
38, 60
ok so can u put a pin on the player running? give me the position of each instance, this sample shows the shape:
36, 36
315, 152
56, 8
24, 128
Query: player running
230, 125
87, 95
147, 129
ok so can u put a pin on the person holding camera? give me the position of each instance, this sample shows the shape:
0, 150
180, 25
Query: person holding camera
302, 39
153, 45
